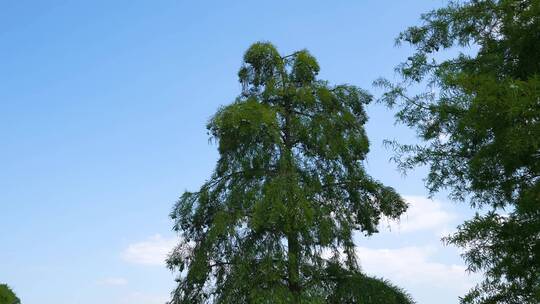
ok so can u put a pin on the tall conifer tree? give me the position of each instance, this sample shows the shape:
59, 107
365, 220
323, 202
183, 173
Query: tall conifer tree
275, 222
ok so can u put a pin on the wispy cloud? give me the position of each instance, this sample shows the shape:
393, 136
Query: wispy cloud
143, 298
415, 266
423, 214
113, 281
152, 251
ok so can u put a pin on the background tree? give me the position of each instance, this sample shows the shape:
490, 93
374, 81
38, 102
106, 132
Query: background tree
275, 222
480, 120
7, 296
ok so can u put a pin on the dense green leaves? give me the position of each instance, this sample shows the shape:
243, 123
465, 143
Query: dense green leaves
480, 120
288, 191
355, 287
7, 296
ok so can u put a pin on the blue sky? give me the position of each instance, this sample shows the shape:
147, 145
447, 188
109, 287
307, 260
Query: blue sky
103, 107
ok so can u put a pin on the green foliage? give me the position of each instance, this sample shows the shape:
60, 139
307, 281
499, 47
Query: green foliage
289, 189
355, 287
7, 296
480, 120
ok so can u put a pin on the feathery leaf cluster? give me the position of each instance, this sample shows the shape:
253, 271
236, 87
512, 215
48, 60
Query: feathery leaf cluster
480, 120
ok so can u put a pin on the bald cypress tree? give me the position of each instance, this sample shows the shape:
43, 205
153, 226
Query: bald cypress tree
275, 222
479, 119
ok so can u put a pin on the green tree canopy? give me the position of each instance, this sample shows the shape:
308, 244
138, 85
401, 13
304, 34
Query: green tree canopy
275, 222
7, 296
480, 120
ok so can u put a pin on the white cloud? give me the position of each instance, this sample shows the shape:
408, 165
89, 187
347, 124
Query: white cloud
414, 267
113, 281
423, 214
152, 251
143, 298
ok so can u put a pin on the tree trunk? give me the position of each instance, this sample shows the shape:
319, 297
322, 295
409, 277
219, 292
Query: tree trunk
293, 251
294, 266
